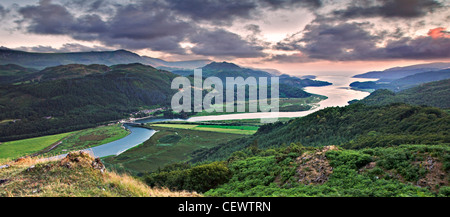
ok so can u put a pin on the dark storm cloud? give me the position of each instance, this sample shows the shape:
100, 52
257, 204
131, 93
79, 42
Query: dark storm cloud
223, 43
290, 58
277, 4
389, 9
255, 29
225, 12
353, 41
47, 18
131, 27
335, 42
136, 26
417, 48
2, 11
221, 12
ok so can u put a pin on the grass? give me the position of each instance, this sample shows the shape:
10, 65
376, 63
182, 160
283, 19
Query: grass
285, 105
73, 176
90, 138
246, 122
19, 148
70, 141
168, 145
245, 130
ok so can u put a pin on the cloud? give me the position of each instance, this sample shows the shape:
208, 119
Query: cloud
353, 41
439, 32
417, 48
219, 12
47, 18
290, 58
3, 12
389, 9
68, 47
277, 4
224, 12
163, 25
223, 43
131, 27
144, 25
333, 42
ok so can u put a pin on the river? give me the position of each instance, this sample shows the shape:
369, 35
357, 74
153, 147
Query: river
338, 94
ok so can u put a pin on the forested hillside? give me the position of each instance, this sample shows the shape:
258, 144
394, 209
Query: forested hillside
71, 97
11, 73
290, 87
405, 82
296, 170
357, 150
109, 58
401, 72
435, 94
354, 126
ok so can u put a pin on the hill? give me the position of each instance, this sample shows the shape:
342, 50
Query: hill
227, 69
299, 171
290, 87
109, 58
396, 150
355, 126
435, 94
71, 97
76, 175
405, 82
400, 72
11, 73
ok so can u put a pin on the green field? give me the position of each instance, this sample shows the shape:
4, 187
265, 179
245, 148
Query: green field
71, 141
19, 148
285, 105
247, 122
245, 130
168, 145
90, 138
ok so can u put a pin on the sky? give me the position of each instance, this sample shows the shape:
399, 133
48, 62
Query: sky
293, 36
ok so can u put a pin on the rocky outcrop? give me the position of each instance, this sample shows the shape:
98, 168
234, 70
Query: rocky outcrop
435, 176
82, 159
314, 167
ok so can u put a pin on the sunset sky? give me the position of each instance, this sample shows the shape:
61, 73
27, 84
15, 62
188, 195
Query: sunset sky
292, 36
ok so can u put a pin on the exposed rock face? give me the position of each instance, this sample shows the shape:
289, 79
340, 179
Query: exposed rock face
82, 159
435, 176
314, 167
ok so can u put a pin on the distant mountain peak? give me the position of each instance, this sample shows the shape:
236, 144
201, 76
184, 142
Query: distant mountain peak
222, 66
109, 58
4, 48
401, 72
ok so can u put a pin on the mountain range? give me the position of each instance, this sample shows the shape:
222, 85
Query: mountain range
436, 94
44, 60
404, 82
400, 72
71, 97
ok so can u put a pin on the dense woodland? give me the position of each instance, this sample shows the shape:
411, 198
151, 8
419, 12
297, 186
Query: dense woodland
285, 171
388, 144
75, 96
353, 126
434, 94
72, 97
382, 150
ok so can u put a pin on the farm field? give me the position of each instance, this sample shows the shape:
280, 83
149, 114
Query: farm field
245, 130
76, 140
19, 148
167, 146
